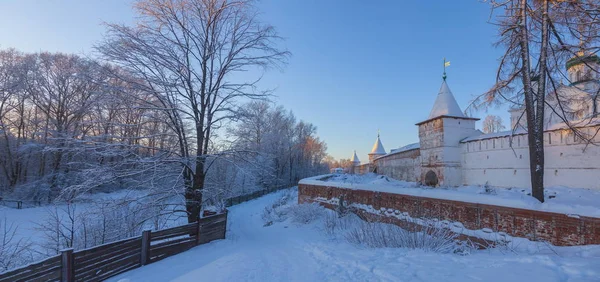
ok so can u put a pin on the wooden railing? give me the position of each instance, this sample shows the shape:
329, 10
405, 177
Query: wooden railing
108, 260
256, 194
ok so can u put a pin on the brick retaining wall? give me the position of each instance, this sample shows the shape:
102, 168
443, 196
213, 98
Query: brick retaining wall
555, 228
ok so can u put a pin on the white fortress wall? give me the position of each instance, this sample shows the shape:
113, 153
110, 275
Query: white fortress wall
402, 166
568, 161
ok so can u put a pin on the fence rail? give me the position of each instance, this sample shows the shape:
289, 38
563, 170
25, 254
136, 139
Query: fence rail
256, 194
108, 260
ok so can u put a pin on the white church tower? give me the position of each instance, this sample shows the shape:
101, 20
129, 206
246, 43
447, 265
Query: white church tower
377, 150
440, 137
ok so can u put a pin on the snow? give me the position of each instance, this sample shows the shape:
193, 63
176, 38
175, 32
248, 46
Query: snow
518, 131
286, 251
27, 220
445, 104
572, 201
408, 147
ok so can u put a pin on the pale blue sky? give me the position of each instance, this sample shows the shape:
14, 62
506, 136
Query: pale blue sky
357, 66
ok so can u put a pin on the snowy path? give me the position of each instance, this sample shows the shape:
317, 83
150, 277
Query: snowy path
289, 252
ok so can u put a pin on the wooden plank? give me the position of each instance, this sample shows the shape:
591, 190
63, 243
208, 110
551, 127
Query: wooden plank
168, 251
220, 228
207, 224
30, 275
116, 272
212, 219
99, 262
110, 270
101, 255
174, 232
107, 265
208, 228
108, 247
25, 271
211, 237
107, 272
171, 242
53, 274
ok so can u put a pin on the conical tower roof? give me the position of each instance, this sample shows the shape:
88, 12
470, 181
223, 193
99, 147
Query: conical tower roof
445, 104
354, 158
377, 148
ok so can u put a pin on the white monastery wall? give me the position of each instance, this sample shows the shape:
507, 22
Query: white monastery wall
568, 161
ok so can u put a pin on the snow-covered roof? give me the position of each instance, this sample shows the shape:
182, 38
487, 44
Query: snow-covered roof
445, 104
406, 148
354, 158
377, 148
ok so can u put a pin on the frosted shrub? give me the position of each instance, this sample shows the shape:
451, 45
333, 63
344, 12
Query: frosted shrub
379, 235
278, 210
306, 213
335, 223
13, 252
487, 189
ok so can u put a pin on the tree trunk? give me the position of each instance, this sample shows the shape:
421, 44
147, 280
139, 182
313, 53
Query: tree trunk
193, 194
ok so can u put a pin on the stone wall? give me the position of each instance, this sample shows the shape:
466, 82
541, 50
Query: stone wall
555, 228
568, 161
402, 165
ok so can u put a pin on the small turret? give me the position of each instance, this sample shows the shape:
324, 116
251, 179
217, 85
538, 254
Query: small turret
355, 161
377, 150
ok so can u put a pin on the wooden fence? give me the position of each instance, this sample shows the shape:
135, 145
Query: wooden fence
256, 194
108, 260
18, 204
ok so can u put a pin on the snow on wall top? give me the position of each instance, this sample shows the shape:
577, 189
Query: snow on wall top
406, 148
494, 135
445, 104
377, 148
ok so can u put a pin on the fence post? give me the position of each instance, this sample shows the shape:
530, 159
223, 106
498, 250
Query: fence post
198, 227
67, 270
145, 256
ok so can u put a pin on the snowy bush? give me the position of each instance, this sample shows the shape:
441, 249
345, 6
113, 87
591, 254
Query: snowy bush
285, 207
379, 235
13, 253
278, 210
334, 223
306, 213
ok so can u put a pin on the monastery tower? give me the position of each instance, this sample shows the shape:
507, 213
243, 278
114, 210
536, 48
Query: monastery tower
440, 137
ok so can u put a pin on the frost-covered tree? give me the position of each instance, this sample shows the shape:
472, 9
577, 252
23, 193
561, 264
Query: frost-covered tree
538, 38
492, 124
188, 53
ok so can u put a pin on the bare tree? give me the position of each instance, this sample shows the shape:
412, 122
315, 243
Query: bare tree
492, 124
538, 37
188, 53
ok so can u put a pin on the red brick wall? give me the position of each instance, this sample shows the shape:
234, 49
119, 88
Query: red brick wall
555, 228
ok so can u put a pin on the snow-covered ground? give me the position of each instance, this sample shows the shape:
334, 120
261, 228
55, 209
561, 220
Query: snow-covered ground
287, 251
572, 201
26, 222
